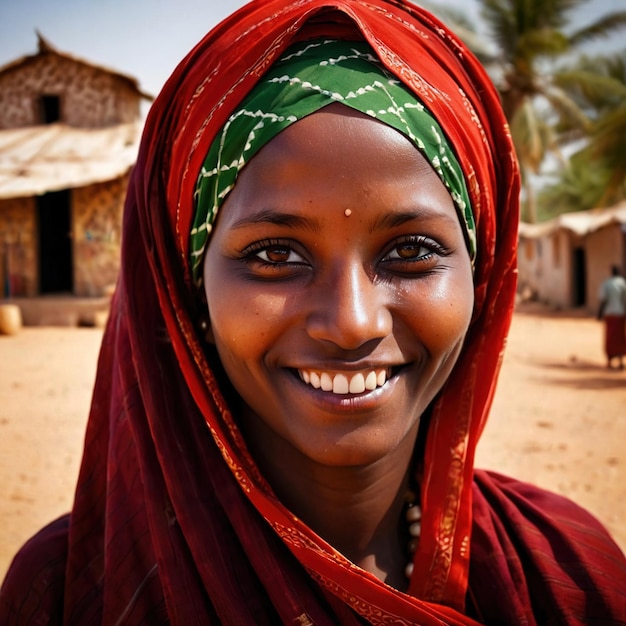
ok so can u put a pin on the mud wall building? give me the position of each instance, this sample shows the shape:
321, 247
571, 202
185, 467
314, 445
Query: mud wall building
564, 261
69, 133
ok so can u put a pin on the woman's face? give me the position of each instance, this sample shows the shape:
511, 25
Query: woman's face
339, 288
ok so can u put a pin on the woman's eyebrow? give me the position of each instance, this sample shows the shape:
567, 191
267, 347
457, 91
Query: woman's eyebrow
279, 218
393, 219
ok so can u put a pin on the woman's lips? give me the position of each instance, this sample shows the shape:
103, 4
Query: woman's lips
343, 383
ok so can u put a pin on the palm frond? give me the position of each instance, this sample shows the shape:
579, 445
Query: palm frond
571, 115
591, 89
607, 138
501, 24
541, 43
578, 186
601, 28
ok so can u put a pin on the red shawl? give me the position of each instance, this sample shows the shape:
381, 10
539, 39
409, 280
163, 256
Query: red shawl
172, 522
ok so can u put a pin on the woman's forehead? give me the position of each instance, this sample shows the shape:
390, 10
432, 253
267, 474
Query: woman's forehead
337, 161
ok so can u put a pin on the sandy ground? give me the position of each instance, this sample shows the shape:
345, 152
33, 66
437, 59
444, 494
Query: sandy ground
559, 419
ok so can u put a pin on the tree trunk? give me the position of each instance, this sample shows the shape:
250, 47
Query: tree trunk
531, 201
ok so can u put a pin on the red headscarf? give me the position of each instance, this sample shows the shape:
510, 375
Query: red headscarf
428, 59
196, 102
172, 520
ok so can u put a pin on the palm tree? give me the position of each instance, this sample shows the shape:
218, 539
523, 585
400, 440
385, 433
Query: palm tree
609, 129
578, 186
607, 144
531, 39
595, 176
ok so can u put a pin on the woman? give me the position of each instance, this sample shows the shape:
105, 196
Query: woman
318, 265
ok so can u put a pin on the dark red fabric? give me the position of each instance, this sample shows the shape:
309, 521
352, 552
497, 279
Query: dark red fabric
614, 335
537, 559
172, 522
560, 561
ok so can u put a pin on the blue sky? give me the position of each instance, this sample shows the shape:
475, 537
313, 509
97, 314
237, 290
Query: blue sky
143, 38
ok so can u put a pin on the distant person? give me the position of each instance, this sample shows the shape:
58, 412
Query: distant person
612, 309
318, 277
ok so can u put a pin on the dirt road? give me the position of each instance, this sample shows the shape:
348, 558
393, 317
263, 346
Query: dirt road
559, 420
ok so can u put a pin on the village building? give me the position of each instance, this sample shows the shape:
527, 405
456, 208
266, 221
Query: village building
563, 262
69, 134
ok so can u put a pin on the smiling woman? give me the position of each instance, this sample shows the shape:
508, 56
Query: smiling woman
338, 334
318, 279
385, 295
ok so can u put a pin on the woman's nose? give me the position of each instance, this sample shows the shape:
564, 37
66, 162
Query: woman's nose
349, 309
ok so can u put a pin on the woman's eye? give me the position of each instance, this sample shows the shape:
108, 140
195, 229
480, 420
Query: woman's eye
279, 254
411, 250
272, 254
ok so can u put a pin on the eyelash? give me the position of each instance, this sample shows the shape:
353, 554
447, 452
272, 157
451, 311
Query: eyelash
418, 242
251, 254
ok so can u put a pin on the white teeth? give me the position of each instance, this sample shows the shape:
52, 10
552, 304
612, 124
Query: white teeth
371, 381
327, 382
357, 384
342, 384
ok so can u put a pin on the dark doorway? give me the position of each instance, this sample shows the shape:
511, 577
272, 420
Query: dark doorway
50, 109
55, 242
579, 278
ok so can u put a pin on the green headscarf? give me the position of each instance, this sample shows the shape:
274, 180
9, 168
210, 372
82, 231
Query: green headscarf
308, 77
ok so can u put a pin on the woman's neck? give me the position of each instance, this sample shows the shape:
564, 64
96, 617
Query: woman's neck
357, 510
